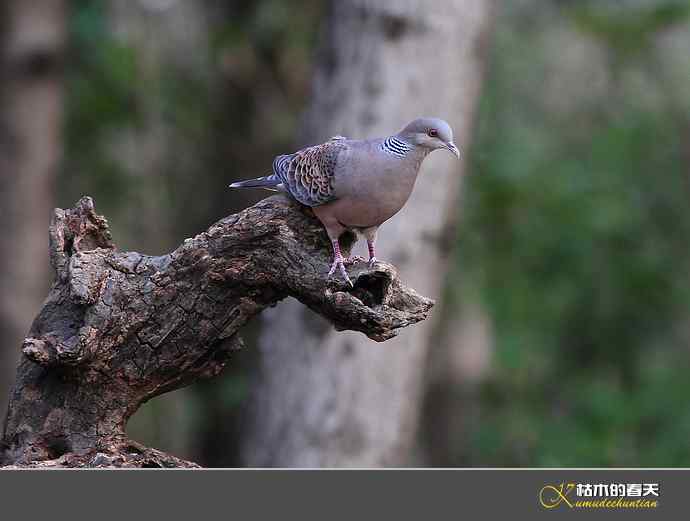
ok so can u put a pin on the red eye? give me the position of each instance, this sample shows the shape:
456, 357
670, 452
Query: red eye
432, 132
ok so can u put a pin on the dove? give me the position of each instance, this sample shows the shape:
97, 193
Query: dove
357, 185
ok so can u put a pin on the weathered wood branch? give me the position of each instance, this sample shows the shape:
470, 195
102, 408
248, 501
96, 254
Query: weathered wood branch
119, 328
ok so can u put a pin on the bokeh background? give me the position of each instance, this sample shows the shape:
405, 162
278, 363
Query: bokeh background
561, 335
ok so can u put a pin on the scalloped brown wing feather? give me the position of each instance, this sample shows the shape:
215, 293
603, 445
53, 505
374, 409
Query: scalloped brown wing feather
310, 172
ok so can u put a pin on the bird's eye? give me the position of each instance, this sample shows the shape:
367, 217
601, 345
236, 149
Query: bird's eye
432, 132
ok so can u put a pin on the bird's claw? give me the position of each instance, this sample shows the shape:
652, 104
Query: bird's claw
338, 263
372, 261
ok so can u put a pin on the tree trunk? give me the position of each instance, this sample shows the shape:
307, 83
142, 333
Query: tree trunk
322, 399
119, 328
32, 39
451, 396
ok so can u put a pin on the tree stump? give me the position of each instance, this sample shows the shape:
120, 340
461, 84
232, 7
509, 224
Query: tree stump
119, 328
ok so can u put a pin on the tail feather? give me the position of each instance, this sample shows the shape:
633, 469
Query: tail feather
268, 181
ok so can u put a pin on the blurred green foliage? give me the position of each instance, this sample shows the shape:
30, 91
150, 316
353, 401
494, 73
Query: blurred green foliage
99, 99
627, 31
577, 237
224, 115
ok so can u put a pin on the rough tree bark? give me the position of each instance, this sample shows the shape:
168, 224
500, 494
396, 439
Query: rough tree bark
32, 39
119, 328
341, 401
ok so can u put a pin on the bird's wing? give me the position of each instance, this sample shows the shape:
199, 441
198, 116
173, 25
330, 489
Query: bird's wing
308, 174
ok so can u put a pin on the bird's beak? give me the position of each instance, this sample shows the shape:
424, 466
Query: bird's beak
451, 146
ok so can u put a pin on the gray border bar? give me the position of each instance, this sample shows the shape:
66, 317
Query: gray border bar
326, 494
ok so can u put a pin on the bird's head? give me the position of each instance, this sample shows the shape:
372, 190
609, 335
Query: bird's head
431, 133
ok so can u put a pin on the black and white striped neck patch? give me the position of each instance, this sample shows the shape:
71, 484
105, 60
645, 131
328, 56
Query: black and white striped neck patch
396, 146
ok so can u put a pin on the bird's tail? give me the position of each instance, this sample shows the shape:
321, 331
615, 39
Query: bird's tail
268, 181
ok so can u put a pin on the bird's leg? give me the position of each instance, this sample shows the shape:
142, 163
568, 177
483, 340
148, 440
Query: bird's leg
334, 230
370, 234
372, 252
338, 262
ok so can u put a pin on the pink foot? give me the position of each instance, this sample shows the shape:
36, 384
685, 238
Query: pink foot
338, 263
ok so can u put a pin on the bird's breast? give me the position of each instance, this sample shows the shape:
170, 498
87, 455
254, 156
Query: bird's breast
373, 191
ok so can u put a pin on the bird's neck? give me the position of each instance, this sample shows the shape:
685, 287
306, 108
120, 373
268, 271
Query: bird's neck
397, 146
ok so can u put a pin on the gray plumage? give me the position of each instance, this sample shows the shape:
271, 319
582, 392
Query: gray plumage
354, 184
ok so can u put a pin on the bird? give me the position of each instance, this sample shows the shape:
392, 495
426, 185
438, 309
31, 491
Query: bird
357, 185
